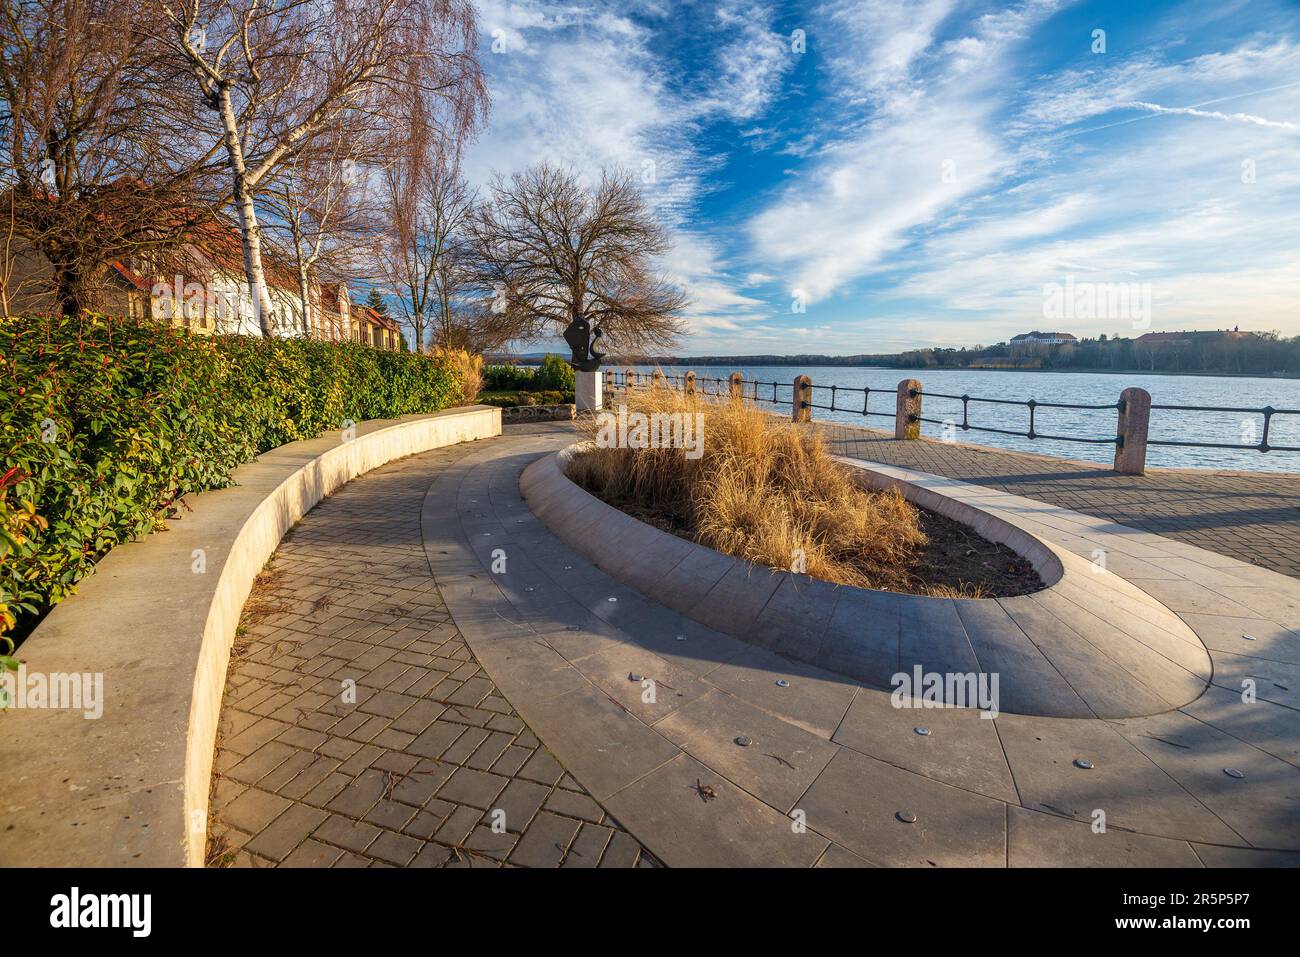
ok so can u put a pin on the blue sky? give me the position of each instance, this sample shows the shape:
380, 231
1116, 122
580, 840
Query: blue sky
922, 170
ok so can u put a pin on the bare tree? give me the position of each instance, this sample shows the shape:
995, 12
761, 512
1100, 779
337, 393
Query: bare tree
420, 253
319, 204
552, 253
277, 75
96, 159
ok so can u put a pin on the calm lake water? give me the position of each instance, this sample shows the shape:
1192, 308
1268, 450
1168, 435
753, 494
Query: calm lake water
1083, 388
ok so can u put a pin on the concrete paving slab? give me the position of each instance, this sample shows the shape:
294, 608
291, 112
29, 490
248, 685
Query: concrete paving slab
1037, 839
687, 827
776, 766
1263, 806
1123, 782
857, 800
961, 749
812, 699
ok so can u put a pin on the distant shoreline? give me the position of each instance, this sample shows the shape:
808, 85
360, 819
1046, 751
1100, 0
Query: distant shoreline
678, 363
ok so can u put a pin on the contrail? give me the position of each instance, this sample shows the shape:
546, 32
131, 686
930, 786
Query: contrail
1214, 114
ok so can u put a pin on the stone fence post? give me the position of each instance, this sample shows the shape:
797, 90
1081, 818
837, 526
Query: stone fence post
801, 405
736, 386
1131, 430
907, 411
629, 379
689, 386
656, 379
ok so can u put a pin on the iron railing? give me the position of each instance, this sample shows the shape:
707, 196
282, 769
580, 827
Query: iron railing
759, 391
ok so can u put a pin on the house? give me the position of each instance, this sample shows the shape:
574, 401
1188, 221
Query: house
375, 329
1037, 338
201, 286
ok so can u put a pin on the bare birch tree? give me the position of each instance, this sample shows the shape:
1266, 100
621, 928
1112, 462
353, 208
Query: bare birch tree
276, 75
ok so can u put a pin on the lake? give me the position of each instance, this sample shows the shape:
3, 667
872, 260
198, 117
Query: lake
1082, 388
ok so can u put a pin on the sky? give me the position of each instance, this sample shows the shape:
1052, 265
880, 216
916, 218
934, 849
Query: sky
866, 176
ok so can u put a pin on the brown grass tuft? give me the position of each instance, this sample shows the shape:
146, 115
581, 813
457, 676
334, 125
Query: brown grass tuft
762, 490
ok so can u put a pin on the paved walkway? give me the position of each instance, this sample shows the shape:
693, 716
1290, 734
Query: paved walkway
393, 583
1254, 517
428, 756
746, 758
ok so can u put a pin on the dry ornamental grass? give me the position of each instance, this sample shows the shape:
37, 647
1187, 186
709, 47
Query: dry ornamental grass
766, 491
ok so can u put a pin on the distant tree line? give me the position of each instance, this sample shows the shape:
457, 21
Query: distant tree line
1266, 353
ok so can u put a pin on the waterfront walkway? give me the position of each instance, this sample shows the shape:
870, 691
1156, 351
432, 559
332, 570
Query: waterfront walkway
386, 584
1250, 516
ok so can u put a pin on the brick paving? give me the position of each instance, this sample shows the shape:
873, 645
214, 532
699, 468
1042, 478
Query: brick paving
415, 768
1250, 516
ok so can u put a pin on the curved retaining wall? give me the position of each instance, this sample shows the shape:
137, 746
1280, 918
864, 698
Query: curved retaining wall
157, 620
1090, 644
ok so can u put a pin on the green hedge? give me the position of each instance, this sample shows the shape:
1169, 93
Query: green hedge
554, 375
104, 423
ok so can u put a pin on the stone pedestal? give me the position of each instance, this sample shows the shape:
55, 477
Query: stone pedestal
588, 391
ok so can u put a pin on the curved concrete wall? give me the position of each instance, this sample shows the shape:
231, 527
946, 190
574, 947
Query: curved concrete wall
1090, 644
157, 620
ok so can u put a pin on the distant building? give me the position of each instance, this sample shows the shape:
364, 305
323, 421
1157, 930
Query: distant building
1037, 338
1190, 336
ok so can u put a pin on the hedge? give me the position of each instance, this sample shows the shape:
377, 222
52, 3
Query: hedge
554, 375
106, 422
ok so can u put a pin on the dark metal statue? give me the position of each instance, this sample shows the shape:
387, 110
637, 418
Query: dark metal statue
579, 336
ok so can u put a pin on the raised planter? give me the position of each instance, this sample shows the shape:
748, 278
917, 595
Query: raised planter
157, 620
1089, 644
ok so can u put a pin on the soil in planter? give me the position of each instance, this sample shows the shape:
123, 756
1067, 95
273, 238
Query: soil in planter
956, 561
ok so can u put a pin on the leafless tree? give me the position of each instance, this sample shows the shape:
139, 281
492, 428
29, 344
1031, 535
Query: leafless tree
277, 75
420, 252
97, 161
320, 206
554, 253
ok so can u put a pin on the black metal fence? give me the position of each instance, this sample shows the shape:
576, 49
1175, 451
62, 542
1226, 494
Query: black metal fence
1130, 439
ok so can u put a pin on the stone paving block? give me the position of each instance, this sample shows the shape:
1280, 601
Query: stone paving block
312, 853
489, 843
545, 842
1216, 856
475, 788
279, 838
436, 739
253, 810
458, 825
588, 846
1003, 649
857, 800
351, 835
360, 794
1270, 640
520, 801
1274, 681
622, 851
